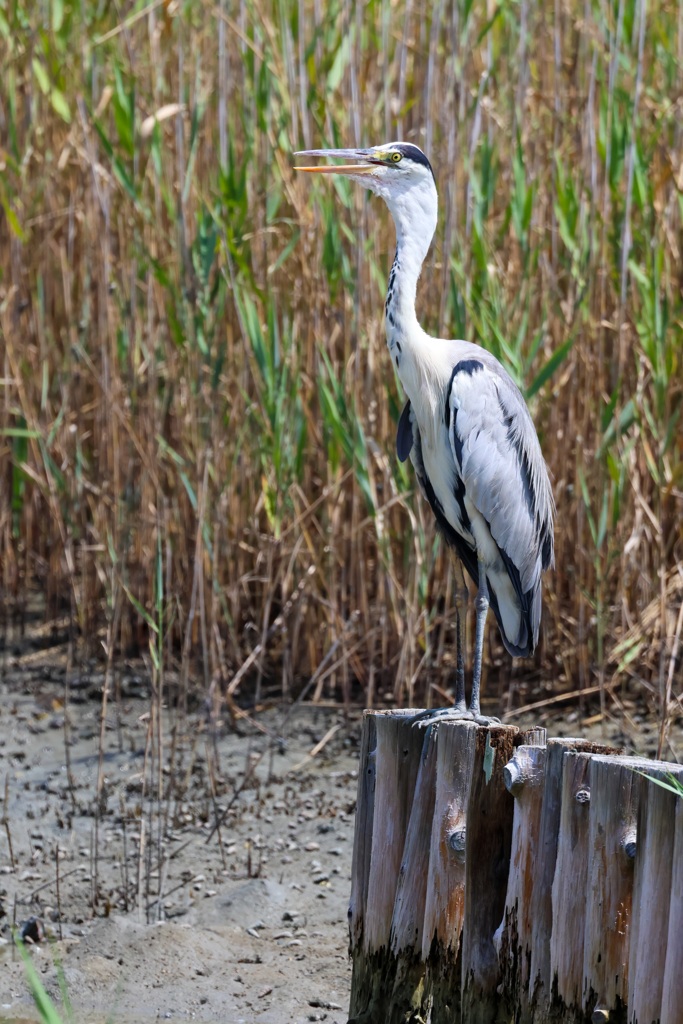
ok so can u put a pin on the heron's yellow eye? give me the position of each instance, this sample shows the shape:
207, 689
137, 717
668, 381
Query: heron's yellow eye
396, 157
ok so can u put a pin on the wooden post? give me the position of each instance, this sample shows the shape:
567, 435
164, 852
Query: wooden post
445, 906
362, 837
487, 859
652, 895
397, 759
615, 793
408, 993
443, 853
541, 897
672, 994
524, 777
361, 977
569, 889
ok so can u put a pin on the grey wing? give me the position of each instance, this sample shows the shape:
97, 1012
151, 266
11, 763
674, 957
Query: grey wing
404, 434
496, 450
465, 551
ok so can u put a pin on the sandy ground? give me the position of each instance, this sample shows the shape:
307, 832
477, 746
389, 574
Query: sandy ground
151, 911
251, 923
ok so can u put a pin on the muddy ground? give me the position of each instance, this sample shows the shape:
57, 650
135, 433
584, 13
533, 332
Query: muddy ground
223, 900
251, 922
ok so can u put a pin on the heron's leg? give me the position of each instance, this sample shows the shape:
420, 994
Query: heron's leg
459, 712
460, 601
481, 606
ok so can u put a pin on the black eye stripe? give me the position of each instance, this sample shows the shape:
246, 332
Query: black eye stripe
413, 153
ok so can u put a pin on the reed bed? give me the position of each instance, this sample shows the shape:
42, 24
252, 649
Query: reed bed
197, 415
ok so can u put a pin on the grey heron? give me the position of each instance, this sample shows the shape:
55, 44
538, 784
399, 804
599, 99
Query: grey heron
465, 425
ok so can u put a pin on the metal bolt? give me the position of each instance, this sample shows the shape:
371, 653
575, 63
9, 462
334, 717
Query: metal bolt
457, 839
629, 842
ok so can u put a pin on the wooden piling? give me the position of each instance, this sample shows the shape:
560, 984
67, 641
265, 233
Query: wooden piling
541, 897
408, 991
362, 837
569, 888
652, 895
445, 903
524, 777
615, 792
496, 878
487, 859
397, 759
672, 986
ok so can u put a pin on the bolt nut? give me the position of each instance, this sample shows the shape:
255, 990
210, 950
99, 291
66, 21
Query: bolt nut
457, 840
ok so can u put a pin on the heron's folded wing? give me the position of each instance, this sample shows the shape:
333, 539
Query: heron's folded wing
498, 456
404, 434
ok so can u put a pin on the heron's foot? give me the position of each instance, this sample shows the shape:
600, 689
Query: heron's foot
457, 713
485, 720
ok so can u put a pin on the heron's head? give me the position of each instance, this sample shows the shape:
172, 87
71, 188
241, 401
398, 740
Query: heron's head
398, 172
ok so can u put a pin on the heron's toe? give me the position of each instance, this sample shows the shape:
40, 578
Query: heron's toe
424, 719
485, 720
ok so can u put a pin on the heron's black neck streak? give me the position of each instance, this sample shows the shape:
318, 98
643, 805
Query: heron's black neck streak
392, 286
399, 309
391, 311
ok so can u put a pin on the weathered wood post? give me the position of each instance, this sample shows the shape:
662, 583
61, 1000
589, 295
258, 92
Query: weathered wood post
672, 993
445, 906
408, 993
569, 888
487, 858
524, 776
652, 896
540, 984
444, 853
362, 849
615, 792
397, 760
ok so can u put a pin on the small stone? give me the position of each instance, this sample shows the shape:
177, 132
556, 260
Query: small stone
32, 930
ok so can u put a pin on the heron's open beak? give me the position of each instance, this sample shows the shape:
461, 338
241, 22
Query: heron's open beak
366, 162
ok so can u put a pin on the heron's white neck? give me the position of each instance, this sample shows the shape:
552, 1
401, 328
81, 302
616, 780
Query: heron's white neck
414, 213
